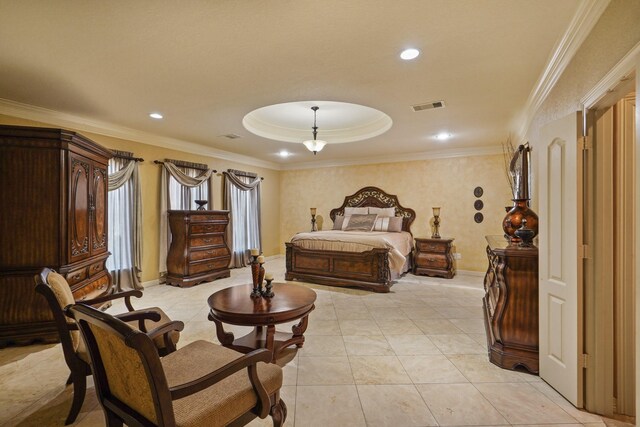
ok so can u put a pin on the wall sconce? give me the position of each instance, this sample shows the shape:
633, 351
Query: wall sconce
313, 220
436, 222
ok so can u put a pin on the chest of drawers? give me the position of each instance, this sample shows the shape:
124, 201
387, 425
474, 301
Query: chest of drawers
434, 257
198, 251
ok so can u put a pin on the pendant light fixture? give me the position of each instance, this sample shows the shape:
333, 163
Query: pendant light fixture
314, 144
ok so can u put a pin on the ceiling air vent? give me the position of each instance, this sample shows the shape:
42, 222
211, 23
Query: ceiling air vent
428, 106
232, 136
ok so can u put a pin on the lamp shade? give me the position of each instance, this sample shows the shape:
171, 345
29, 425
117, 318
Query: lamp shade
314, 145
436, 211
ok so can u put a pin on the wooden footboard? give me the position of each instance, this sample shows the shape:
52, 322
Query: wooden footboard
368, 270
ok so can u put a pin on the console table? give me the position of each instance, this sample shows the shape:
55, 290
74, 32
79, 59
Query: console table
511, 305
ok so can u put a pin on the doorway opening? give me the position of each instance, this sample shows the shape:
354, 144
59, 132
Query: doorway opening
609, 233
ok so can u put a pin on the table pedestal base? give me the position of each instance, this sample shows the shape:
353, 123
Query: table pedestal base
262, 337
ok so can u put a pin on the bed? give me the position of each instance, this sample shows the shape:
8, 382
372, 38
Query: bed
362, 263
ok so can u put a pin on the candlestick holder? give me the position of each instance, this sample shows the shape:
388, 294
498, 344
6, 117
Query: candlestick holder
436, 223
255, 275
313, 220
268, 291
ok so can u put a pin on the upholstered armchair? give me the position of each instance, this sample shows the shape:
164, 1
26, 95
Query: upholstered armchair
57, 292
200, 384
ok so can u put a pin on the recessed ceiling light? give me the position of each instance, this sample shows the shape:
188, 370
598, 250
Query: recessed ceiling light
156, 116
443, 136
409, 54
284, 153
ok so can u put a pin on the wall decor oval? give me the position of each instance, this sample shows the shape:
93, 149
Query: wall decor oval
478, 217
478, 191
478, 204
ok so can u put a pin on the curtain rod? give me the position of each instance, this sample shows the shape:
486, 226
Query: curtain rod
160, 162
120, 156
246, 174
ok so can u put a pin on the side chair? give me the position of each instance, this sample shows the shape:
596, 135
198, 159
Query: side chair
57, 292
201, 384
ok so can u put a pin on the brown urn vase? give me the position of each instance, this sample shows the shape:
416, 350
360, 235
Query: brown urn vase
513, 220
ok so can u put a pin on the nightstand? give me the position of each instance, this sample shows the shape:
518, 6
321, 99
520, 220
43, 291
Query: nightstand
434, 257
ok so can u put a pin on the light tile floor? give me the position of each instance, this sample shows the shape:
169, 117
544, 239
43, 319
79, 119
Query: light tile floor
414, 357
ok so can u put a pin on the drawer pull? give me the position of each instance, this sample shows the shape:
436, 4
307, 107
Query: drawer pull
209, 227
210, 265
208, 240
432, 247
76, 276
431, 259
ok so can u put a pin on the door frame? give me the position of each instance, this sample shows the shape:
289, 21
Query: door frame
609, 88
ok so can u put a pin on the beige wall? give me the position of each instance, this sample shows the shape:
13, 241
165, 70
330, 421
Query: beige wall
150, 178
419, 185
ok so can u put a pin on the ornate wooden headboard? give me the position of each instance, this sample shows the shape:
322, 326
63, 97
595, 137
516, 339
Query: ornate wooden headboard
375, 197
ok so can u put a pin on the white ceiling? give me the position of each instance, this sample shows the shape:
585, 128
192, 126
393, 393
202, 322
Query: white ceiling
206, 64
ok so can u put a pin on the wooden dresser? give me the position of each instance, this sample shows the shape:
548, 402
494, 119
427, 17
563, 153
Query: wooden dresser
434, 257
511, 305
198, 251
53, 190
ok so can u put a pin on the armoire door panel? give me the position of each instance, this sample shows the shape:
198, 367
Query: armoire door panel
79, 209
98, 216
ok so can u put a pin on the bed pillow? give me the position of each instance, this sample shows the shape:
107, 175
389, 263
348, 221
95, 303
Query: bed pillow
383, 212
393, 224
337, 223
355, 211
359, 223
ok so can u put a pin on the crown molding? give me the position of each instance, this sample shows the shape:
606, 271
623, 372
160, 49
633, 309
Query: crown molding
410, 157
31, 112
579, 28
619, 73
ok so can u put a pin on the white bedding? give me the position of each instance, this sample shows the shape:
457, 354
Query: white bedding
400, 244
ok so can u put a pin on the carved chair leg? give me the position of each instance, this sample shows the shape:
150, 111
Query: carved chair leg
279, 413
79, 390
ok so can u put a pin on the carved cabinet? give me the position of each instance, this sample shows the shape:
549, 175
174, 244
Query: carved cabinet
511, 305
53, 188
434, 257
198, 251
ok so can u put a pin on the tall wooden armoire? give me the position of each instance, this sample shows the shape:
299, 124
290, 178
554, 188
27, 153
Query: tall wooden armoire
53, 196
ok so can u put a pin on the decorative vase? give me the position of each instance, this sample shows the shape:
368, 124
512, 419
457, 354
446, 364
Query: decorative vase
200, 204
513, 220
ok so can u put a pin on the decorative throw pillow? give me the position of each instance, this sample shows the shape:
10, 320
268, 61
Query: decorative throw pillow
383, 212
355, 211
360, 223
392, 224
337, 223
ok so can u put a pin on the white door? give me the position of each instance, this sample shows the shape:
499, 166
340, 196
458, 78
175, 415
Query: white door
559, 171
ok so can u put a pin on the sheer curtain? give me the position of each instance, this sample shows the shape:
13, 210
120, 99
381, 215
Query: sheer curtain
181, 184
242, 199
125, 222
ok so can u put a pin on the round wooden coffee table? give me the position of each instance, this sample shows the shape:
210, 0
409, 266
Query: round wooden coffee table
234, 306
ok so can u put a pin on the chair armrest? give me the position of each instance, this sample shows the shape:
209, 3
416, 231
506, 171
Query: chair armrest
186, 389
106, 298
141, 316
174, 325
